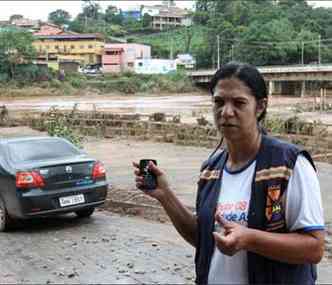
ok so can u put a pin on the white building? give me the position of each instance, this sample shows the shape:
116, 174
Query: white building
154, 66
186, 60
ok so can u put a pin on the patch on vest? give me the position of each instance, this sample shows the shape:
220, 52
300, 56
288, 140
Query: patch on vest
272, 173
274, 209
210, 174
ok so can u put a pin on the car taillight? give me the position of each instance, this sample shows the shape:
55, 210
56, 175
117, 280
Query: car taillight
98, 171
30, 179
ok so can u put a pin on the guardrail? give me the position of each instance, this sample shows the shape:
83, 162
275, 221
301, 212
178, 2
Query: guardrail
274, 69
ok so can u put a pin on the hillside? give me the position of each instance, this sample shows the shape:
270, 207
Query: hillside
181, 40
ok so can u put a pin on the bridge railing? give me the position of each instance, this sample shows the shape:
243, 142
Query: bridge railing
274, 69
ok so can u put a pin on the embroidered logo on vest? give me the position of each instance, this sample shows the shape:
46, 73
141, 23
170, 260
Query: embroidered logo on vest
274, 209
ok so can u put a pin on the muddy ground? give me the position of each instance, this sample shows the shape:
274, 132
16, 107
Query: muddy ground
188, 105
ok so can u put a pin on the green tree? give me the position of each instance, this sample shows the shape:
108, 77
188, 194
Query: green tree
110, 14
146, 20
310, 45
15, 17
257, 48
77, 25
59, 17
15, 48
91, 9
323, 17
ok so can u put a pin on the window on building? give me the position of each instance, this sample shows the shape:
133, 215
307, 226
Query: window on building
90, 58
56, 47
81, 46
90, 46
72, 47
130, 64
140, 64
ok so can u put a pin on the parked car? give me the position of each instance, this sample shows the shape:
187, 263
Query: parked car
43, 176
91, 70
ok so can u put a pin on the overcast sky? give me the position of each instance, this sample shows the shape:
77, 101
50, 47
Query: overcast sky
41, 9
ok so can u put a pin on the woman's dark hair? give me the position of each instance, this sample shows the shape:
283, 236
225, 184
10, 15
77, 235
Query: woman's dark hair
246, 73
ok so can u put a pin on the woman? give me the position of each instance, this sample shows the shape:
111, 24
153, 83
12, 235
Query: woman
259, 215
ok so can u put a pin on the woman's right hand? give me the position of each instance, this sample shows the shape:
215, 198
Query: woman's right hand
162, 183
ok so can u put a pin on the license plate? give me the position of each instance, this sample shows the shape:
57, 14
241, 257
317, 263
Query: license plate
71, 200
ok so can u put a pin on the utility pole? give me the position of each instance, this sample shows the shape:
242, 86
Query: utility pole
232, 52
171, 44
319, 55
302, 53
171, 50
218, 51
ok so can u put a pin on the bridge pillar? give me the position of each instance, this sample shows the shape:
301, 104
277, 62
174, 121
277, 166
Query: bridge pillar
303, 88
271, 87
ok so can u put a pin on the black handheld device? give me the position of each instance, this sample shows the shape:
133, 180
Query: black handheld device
150, 179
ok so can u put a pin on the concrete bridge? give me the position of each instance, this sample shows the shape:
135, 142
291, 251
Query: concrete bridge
283, 79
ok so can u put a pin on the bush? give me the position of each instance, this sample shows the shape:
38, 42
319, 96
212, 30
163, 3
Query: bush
76, 80
274, 125
67, 88
58, 126
55, 83
126, 83
27, 73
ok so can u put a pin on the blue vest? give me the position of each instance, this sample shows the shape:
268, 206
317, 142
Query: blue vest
274, 164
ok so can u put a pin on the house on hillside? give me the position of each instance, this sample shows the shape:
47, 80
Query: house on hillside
132, 13
6, 26
48, 29
167, 16
121, 56
4, 23
31, 25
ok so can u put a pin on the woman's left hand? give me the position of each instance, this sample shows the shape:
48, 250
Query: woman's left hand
234, 238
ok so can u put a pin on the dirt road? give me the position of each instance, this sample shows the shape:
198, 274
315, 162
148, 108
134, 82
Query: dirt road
106, 248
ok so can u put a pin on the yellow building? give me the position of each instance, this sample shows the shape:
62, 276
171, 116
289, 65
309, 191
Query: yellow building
82, 48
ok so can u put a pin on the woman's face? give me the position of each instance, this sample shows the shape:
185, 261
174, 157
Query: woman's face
235, 109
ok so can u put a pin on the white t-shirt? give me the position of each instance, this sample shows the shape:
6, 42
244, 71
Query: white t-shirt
303, 210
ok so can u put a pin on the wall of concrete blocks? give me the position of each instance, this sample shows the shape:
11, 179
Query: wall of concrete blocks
183, 134
143, 127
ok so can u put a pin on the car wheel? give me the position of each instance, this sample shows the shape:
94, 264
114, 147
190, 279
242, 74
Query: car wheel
4, 217
85, 213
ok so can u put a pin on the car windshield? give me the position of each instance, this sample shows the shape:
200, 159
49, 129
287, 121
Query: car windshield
44, 149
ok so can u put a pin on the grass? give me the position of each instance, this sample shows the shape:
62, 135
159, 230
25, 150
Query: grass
130, 83
125, 83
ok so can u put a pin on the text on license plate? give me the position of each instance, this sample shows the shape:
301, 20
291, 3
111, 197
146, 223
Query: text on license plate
71, 200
